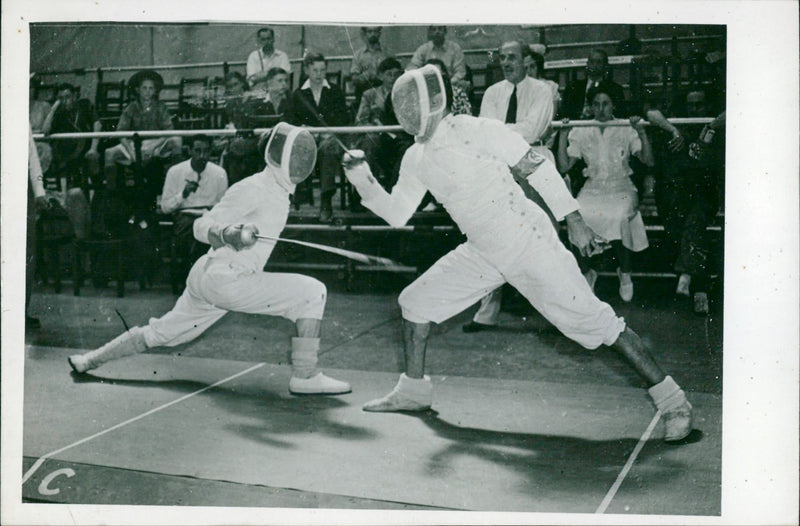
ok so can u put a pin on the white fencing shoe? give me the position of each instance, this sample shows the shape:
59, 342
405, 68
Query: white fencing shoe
677, 422
676, 411
317, 384
410, 394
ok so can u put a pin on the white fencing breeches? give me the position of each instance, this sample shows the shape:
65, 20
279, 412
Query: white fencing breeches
542, 270
215, 287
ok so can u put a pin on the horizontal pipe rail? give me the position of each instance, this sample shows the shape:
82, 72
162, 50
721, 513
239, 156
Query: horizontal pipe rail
339, 130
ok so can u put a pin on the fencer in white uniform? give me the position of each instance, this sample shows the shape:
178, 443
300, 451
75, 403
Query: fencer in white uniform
467, 164
230, 276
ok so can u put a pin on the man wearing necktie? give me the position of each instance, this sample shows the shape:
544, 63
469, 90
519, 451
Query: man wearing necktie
525, 104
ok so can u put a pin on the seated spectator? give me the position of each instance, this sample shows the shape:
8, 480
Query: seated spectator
273, 103
447, 51
575, 104
73, 160
243, 159
246, 109
317, 103
235, 114
378, 147
263, 59
191, 188
609, 201
690, 163
38, 109
364, 68
144, 113
534, 66
461, 104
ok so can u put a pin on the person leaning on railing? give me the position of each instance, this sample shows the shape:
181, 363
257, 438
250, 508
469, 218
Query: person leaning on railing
609, 200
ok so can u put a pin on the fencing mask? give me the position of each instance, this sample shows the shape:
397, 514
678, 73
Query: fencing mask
419, 101
291, 152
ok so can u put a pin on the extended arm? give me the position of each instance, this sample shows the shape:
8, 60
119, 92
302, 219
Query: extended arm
543, 176
224, 224
395, 208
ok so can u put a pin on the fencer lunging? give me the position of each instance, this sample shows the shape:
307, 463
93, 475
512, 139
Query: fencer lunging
464, 162
230, 276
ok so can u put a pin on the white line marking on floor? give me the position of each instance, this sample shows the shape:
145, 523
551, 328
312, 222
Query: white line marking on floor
41, 459
622, 474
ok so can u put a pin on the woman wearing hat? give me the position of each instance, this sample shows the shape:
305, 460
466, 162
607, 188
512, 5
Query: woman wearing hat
144, 113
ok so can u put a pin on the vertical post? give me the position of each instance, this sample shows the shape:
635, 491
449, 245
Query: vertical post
98, 96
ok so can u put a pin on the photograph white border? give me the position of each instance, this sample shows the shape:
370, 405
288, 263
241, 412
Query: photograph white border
760, 394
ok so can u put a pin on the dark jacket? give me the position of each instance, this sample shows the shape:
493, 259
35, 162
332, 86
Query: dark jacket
331, 111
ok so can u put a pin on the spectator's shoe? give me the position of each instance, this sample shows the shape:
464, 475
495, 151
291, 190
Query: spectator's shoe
325, 215
410, 394
474, 326
701, 303
683, 285
317, 384
591, 278
32, 323
625, 285
676, 411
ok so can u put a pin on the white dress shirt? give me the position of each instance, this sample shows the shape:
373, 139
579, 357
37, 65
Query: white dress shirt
534, 107
257, 62
213, 183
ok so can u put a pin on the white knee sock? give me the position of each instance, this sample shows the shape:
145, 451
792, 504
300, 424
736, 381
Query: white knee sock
304, 357
667, 395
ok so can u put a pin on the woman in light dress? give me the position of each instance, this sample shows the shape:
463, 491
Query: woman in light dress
609, 200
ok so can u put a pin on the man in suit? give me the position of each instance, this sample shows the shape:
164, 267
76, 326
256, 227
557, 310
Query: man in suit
574, 104
318, 103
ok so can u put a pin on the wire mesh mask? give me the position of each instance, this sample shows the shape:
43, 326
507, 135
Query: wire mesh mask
419, 99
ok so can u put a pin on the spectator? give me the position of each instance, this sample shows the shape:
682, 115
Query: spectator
575, 103
379, 148
461, 102
191, 188
144, 113
37, 113
37, 201
317, 103
690, 171
364, 68
265, 58
534, 66
235, 113
275, 101
609, 201
447, 51
243, 159
525, 104
74, 160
